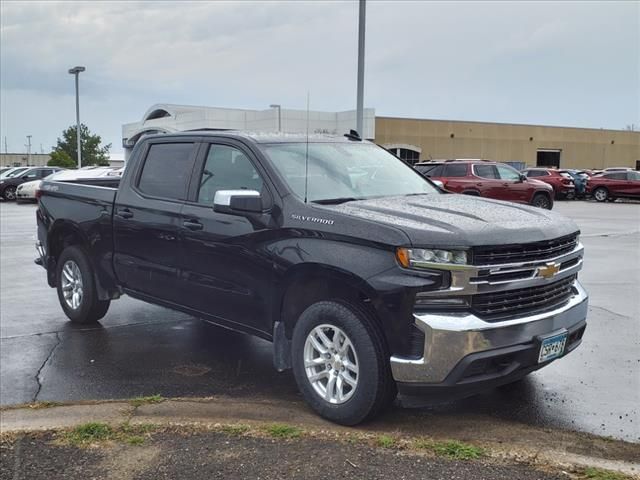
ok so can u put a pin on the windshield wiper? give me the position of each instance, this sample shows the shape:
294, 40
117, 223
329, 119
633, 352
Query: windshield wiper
335, 201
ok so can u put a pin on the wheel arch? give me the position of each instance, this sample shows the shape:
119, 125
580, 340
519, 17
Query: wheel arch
306, 284
64, 234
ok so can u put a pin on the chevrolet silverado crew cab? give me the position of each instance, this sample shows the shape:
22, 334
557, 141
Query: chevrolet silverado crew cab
367, 278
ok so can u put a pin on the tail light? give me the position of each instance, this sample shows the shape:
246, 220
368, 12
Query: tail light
38, 194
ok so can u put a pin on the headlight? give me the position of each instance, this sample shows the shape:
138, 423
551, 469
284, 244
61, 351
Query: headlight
425, 258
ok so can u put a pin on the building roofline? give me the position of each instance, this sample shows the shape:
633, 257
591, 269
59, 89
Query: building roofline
480, 122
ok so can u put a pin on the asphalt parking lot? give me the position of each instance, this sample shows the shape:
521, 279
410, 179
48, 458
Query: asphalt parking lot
140, 349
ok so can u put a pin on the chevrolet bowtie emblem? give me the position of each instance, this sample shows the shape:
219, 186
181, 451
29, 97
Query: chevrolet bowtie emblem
549, 270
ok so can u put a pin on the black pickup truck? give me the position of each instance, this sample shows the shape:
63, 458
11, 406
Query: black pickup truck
367, 278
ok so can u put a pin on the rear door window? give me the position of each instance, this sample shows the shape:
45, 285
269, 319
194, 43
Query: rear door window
167, 170
485, 171
455, 170
616, 176
537, 173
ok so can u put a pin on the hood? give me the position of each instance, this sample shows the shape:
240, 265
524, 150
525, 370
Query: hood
460, 220
539, 184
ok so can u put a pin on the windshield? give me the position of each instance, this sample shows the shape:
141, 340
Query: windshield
343, 171
13, 172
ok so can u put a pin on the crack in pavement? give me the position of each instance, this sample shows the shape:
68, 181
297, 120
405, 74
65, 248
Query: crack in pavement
39, 372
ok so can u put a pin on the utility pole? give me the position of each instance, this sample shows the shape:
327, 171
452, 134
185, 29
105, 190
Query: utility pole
76, 71
360, 104
28, 145
5, 145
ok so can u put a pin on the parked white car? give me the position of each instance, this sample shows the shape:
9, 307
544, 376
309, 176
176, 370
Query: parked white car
27, 191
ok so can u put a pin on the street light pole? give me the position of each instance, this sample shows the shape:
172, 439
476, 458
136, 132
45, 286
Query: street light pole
76, 71
360, 104
29, 149
279, 107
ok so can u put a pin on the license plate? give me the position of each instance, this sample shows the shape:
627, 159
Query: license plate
552, 347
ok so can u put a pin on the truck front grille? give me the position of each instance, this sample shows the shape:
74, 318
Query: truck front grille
494, 306
527, 252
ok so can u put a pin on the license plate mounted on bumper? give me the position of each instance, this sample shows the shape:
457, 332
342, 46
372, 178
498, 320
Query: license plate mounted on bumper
552, 347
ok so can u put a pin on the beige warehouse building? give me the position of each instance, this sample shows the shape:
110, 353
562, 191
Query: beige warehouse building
533, 145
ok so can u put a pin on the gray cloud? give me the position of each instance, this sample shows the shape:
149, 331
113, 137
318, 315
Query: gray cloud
548, 62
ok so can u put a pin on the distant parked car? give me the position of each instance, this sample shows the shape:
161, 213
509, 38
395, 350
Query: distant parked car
9, 184
618, 169
612, 185
489, 179
26, 192
562, 182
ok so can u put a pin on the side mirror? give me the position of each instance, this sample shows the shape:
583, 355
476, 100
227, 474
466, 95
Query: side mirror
237, 202
438, 183
523, 177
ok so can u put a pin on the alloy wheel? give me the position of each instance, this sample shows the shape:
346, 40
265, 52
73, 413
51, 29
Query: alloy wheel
331, 363
71, 282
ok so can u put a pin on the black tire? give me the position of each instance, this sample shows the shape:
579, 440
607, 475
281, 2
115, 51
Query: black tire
542, 200
90, 309
9, 193
601, 194
375, 388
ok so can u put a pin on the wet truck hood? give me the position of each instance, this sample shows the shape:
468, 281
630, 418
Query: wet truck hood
460, 220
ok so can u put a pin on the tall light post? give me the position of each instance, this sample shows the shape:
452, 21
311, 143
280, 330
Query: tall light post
76, 71
279, 107
360, 104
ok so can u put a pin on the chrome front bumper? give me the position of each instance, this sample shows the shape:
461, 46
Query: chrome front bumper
451, 338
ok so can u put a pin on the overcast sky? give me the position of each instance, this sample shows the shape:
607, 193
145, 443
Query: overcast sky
574, 63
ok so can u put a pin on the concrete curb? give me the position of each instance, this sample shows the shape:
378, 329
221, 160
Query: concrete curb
512, 441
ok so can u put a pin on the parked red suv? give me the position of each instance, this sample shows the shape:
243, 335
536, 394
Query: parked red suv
562, 183
612, 185
488, 179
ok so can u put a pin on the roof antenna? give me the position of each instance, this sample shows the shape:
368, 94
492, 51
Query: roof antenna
306, 157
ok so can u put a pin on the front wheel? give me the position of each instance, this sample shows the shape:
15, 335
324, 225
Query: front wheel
541, 200
77, 288
340, 364
9, 193
601, 194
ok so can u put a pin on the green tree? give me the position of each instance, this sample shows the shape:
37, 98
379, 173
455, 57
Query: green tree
60, 158
93, 153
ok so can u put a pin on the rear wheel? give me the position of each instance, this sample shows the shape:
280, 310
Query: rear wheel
601, 194
9, 193
541, 200
76, 287
340, 364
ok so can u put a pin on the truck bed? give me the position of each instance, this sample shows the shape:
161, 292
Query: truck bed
84, 207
